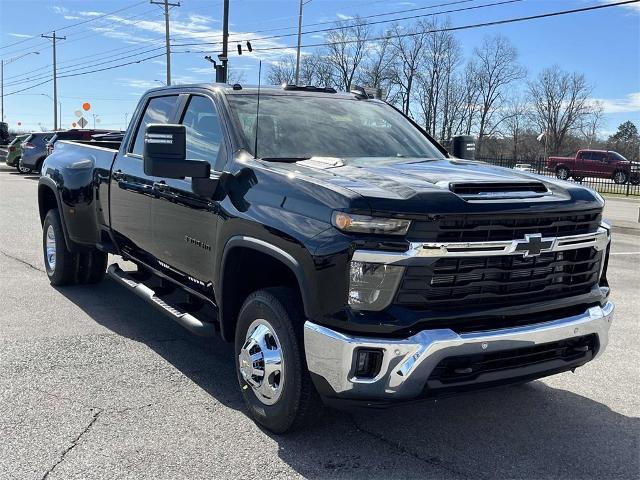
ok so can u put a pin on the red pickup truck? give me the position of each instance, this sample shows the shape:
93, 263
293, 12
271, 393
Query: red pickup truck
595, 163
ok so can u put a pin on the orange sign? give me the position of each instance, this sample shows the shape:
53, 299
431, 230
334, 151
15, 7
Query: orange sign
74, 124
86, 106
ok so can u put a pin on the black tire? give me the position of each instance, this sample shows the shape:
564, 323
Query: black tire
635, 180
298, 402
563, 173
21, 169
620, 177
64, 266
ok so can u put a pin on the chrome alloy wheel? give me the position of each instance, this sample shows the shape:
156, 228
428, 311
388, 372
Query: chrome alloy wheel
261, 363
22, 169
50, 253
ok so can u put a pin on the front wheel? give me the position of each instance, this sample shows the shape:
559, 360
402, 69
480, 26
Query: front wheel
620, 177
563, 173
271, 367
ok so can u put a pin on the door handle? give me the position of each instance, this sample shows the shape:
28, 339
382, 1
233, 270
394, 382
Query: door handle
118, 175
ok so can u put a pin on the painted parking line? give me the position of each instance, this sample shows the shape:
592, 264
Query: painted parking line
625, 253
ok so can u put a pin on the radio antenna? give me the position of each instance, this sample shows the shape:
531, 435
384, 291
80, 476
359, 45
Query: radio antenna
255, 146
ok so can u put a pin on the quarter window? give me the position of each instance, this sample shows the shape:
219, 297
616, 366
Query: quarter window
202, 125
159, 110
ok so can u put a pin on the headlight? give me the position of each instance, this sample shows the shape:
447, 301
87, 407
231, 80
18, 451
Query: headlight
372, 286
348, 222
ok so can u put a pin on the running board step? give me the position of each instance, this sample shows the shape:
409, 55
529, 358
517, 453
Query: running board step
191, 323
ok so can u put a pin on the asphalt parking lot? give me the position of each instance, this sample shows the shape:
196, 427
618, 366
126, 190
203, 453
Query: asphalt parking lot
95, 384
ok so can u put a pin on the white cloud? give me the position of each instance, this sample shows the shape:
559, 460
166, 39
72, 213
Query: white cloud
630, 103
139, 84
343, 16
633, 6
20, 35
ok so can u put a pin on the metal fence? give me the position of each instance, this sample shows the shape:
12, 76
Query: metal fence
602, 185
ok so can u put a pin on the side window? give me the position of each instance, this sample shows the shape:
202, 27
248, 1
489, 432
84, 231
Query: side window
158, 110
587, 156
204, 134
600, 157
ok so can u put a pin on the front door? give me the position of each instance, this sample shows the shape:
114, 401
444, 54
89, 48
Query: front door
131, 190
184, 223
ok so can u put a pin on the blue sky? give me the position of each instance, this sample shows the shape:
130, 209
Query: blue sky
604, 45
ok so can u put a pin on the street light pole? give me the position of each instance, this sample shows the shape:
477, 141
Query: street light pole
302, 4
59, 105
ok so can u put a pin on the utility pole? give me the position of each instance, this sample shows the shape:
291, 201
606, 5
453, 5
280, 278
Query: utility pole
302, 4
221, 73
166, 5
55, 83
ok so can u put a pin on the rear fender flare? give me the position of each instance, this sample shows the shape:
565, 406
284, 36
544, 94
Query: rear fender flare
49, 184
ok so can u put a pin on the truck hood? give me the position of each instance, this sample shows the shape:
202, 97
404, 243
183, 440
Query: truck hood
418, 187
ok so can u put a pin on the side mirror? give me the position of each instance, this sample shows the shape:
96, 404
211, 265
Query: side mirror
165, 153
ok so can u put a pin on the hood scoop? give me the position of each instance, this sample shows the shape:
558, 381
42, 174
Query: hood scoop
498, 190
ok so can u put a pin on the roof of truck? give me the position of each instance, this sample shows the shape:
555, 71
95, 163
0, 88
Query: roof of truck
239, 89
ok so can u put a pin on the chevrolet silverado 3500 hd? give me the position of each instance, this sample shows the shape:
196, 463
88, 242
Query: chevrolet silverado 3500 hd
346, 254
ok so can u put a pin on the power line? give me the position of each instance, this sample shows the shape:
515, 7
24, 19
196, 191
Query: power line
329, 22
92, 19
69, 70
461, 27
86, 73
322, 30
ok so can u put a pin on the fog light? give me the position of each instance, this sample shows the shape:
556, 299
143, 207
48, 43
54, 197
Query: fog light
368, 362
373, 285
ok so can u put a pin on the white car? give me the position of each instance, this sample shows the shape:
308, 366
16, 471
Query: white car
524, 167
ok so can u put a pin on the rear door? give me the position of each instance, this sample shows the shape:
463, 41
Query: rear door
130, 189
184, 223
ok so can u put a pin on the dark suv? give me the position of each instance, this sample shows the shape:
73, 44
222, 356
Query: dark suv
5, 138
34, 151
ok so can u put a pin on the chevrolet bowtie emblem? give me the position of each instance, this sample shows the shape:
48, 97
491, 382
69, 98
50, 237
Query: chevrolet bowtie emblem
533, 245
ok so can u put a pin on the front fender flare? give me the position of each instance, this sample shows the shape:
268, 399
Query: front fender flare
276, 252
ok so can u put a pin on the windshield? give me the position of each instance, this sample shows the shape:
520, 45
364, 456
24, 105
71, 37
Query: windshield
296, 126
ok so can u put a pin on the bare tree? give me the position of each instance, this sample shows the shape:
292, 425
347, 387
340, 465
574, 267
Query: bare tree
346, 49
496, 68
376, 69
592, 121
407, 46
315, 70
560, 103
282, 71
515, 122
441, 57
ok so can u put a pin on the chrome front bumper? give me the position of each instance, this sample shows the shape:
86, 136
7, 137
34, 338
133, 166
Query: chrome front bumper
407, 363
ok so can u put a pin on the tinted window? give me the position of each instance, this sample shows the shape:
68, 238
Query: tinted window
586, 156
203, 130
306, 126
159, 110
617, 157
599, 157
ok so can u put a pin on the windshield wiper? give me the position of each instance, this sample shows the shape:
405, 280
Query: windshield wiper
284, 159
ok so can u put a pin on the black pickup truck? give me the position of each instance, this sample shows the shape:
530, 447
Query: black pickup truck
349, 257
